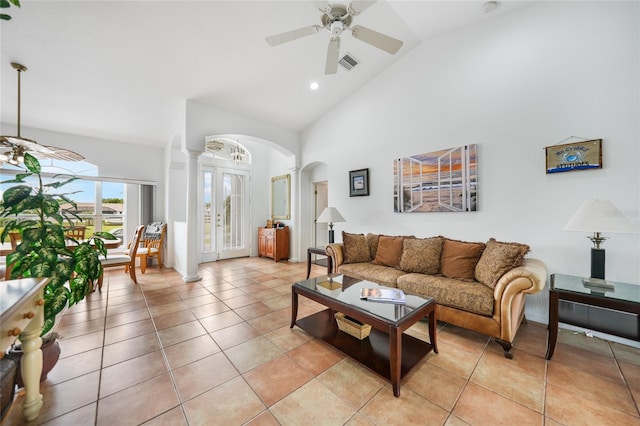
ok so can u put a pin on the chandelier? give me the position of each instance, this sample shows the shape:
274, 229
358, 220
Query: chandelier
237, 153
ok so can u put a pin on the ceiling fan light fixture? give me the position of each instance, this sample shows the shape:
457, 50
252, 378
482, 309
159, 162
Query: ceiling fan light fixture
337, 17
336, 28
19, 145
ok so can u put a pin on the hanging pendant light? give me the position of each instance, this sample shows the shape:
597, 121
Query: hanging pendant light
18, 145
237, 153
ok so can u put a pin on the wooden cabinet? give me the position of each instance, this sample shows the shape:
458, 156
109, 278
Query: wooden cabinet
274, 243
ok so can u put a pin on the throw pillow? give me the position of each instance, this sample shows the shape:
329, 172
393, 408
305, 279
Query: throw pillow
389, 251
356, 249
498, 258
372, 240
421, 255
459, 259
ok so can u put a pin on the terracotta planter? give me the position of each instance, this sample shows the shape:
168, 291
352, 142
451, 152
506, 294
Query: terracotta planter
50, 355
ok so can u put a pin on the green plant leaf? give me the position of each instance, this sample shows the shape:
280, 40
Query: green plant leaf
8, 226
31, 163
24, 224
48, 255
33, 234
50, 206
4, 3
99, 246
88, 266
16, 3
58, 184
20, 177
79, 289
106, 235
69, 200
54, 236
58, 279
48, 325
15, 195
55, 301
40, 269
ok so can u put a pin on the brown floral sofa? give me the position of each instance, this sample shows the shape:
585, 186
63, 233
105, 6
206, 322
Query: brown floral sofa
478, 286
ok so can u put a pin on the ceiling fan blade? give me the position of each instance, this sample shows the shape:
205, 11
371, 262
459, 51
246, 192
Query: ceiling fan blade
356, 7
323, 6
379, 40
59, 154
278, 39
28, 144
333, 52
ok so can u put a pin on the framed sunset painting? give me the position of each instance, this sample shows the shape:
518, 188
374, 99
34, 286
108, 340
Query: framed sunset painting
439, 181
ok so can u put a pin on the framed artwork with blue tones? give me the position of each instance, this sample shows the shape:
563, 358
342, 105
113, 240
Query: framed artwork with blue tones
574, 156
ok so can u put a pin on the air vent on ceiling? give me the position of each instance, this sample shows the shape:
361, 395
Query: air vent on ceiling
348, 62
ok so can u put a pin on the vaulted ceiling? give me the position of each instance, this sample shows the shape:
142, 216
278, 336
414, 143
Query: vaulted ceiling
123, 69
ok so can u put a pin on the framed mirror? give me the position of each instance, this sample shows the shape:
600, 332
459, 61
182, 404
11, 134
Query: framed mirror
281, 197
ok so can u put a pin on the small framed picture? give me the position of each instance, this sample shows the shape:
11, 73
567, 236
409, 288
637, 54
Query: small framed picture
574, 156
358, 182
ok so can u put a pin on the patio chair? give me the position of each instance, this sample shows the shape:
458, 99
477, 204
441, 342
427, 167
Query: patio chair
152, 245
76, 232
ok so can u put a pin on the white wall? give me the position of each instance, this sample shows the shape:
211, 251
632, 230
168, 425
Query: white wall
513, 85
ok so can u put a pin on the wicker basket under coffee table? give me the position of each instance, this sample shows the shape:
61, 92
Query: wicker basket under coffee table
387, 351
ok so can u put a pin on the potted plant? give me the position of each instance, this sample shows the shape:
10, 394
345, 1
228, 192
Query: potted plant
44, 250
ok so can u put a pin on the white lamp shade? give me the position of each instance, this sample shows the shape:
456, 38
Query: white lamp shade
600, 216
330, 215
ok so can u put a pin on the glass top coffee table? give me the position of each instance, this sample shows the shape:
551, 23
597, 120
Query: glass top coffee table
387, 351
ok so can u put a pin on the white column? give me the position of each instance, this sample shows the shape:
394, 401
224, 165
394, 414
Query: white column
192, 254
295, 253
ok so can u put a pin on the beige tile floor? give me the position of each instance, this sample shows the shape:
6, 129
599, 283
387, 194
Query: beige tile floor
220, 351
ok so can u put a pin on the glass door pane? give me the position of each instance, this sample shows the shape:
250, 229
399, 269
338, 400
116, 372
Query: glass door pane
207, 247
232, 216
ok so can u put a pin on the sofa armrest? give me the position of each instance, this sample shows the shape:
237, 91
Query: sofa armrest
533, 271
335, 251
510, 291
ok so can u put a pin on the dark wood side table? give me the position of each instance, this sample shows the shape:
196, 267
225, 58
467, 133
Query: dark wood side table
321, 251
621, 297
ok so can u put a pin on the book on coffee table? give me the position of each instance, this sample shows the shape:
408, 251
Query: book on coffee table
386, 295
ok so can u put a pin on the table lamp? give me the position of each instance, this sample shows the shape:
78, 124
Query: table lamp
330, 215
599, 216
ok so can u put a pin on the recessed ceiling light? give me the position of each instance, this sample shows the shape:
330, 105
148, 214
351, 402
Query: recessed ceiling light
314, 85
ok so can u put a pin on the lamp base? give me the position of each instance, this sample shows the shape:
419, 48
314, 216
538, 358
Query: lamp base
597, 263
331, 236
598, 286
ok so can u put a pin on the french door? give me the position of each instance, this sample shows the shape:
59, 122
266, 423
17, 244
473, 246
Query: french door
224, 213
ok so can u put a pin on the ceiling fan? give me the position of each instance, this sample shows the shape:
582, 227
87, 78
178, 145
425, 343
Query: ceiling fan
336, 18
19, 145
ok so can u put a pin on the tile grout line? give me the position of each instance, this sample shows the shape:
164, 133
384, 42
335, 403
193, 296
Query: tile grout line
165, 359
104, 339
624, 379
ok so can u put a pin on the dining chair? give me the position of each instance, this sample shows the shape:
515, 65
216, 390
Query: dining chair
152, 246
76, 232
15, 238
126, 260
